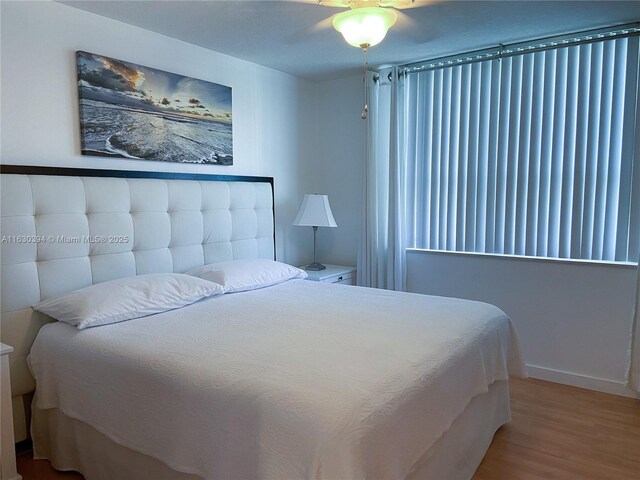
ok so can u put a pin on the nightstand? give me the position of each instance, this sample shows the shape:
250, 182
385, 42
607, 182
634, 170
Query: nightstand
334, 274
7, 445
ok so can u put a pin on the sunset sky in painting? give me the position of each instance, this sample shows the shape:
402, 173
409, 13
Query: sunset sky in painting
113, 81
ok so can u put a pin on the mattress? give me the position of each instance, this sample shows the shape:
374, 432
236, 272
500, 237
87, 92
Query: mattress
298, 380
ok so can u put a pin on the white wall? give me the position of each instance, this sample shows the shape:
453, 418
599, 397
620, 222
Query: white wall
573, 318
336, 167
39, 95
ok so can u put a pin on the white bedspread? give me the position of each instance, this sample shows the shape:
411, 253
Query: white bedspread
299, 380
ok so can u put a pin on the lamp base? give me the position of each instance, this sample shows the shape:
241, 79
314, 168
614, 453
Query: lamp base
315, 266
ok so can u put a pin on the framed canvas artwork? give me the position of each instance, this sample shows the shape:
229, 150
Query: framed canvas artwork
131, 111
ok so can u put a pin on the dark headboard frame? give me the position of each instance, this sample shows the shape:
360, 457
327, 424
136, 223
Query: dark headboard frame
94, 172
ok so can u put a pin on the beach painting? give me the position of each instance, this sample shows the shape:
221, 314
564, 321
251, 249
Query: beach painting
130, 111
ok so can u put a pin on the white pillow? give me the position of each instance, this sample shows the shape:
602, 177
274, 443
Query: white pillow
243, 275
127, 298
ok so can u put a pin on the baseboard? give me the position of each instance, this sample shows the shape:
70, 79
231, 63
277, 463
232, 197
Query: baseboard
581, 381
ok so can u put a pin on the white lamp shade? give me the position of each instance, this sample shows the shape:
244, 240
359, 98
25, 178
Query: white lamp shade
315, 212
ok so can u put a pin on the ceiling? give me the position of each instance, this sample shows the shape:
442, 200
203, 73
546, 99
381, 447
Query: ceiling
296, 37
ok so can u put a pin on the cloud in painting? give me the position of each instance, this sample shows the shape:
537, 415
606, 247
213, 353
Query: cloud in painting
132, 76
108, 73
215, 96
118, 82
105, 79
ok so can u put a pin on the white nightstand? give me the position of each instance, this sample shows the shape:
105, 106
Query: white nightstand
334, 274
7, 445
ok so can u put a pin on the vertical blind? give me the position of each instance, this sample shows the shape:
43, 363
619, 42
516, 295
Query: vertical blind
531, 154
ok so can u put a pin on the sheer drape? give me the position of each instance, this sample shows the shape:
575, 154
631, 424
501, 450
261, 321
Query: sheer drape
381, 260
528, 155
633, 372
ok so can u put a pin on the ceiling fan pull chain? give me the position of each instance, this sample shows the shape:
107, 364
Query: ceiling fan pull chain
365, 110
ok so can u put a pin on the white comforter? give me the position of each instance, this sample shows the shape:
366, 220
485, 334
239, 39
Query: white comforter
299, 380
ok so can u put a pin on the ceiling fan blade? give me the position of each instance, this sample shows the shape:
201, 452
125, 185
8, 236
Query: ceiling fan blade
306, 33
396, 3
399, 4
411, 28
335, 3
326, 24
405, 22
404, 4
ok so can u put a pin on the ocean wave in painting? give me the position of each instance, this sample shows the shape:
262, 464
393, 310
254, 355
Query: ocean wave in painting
120, 131
131, 111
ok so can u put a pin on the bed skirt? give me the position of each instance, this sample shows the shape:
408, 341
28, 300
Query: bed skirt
74, 445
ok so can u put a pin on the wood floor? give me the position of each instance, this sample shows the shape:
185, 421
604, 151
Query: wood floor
557, 432
561, 432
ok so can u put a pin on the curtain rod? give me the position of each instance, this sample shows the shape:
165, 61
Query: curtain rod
512, 49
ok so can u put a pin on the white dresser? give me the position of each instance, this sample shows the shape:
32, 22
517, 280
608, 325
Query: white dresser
334, 274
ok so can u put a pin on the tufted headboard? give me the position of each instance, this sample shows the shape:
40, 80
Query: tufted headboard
64, 229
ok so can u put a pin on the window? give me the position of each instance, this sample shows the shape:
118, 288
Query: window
530, 154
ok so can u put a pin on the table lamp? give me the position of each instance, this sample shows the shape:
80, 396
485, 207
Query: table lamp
315, 212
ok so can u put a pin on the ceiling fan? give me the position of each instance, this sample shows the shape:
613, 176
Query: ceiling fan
367, 22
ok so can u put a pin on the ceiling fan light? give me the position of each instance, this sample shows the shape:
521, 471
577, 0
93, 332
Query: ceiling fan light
364, 27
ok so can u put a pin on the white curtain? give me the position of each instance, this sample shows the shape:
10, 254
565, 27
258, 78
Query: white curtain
633, 371
633, 374
382, 257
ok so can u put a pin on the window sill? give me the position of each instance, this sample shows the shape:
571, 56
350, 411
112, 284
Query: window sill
528, 258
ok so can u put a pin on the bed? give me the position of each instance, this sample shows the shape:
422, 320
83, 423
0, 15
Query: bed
296, 380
